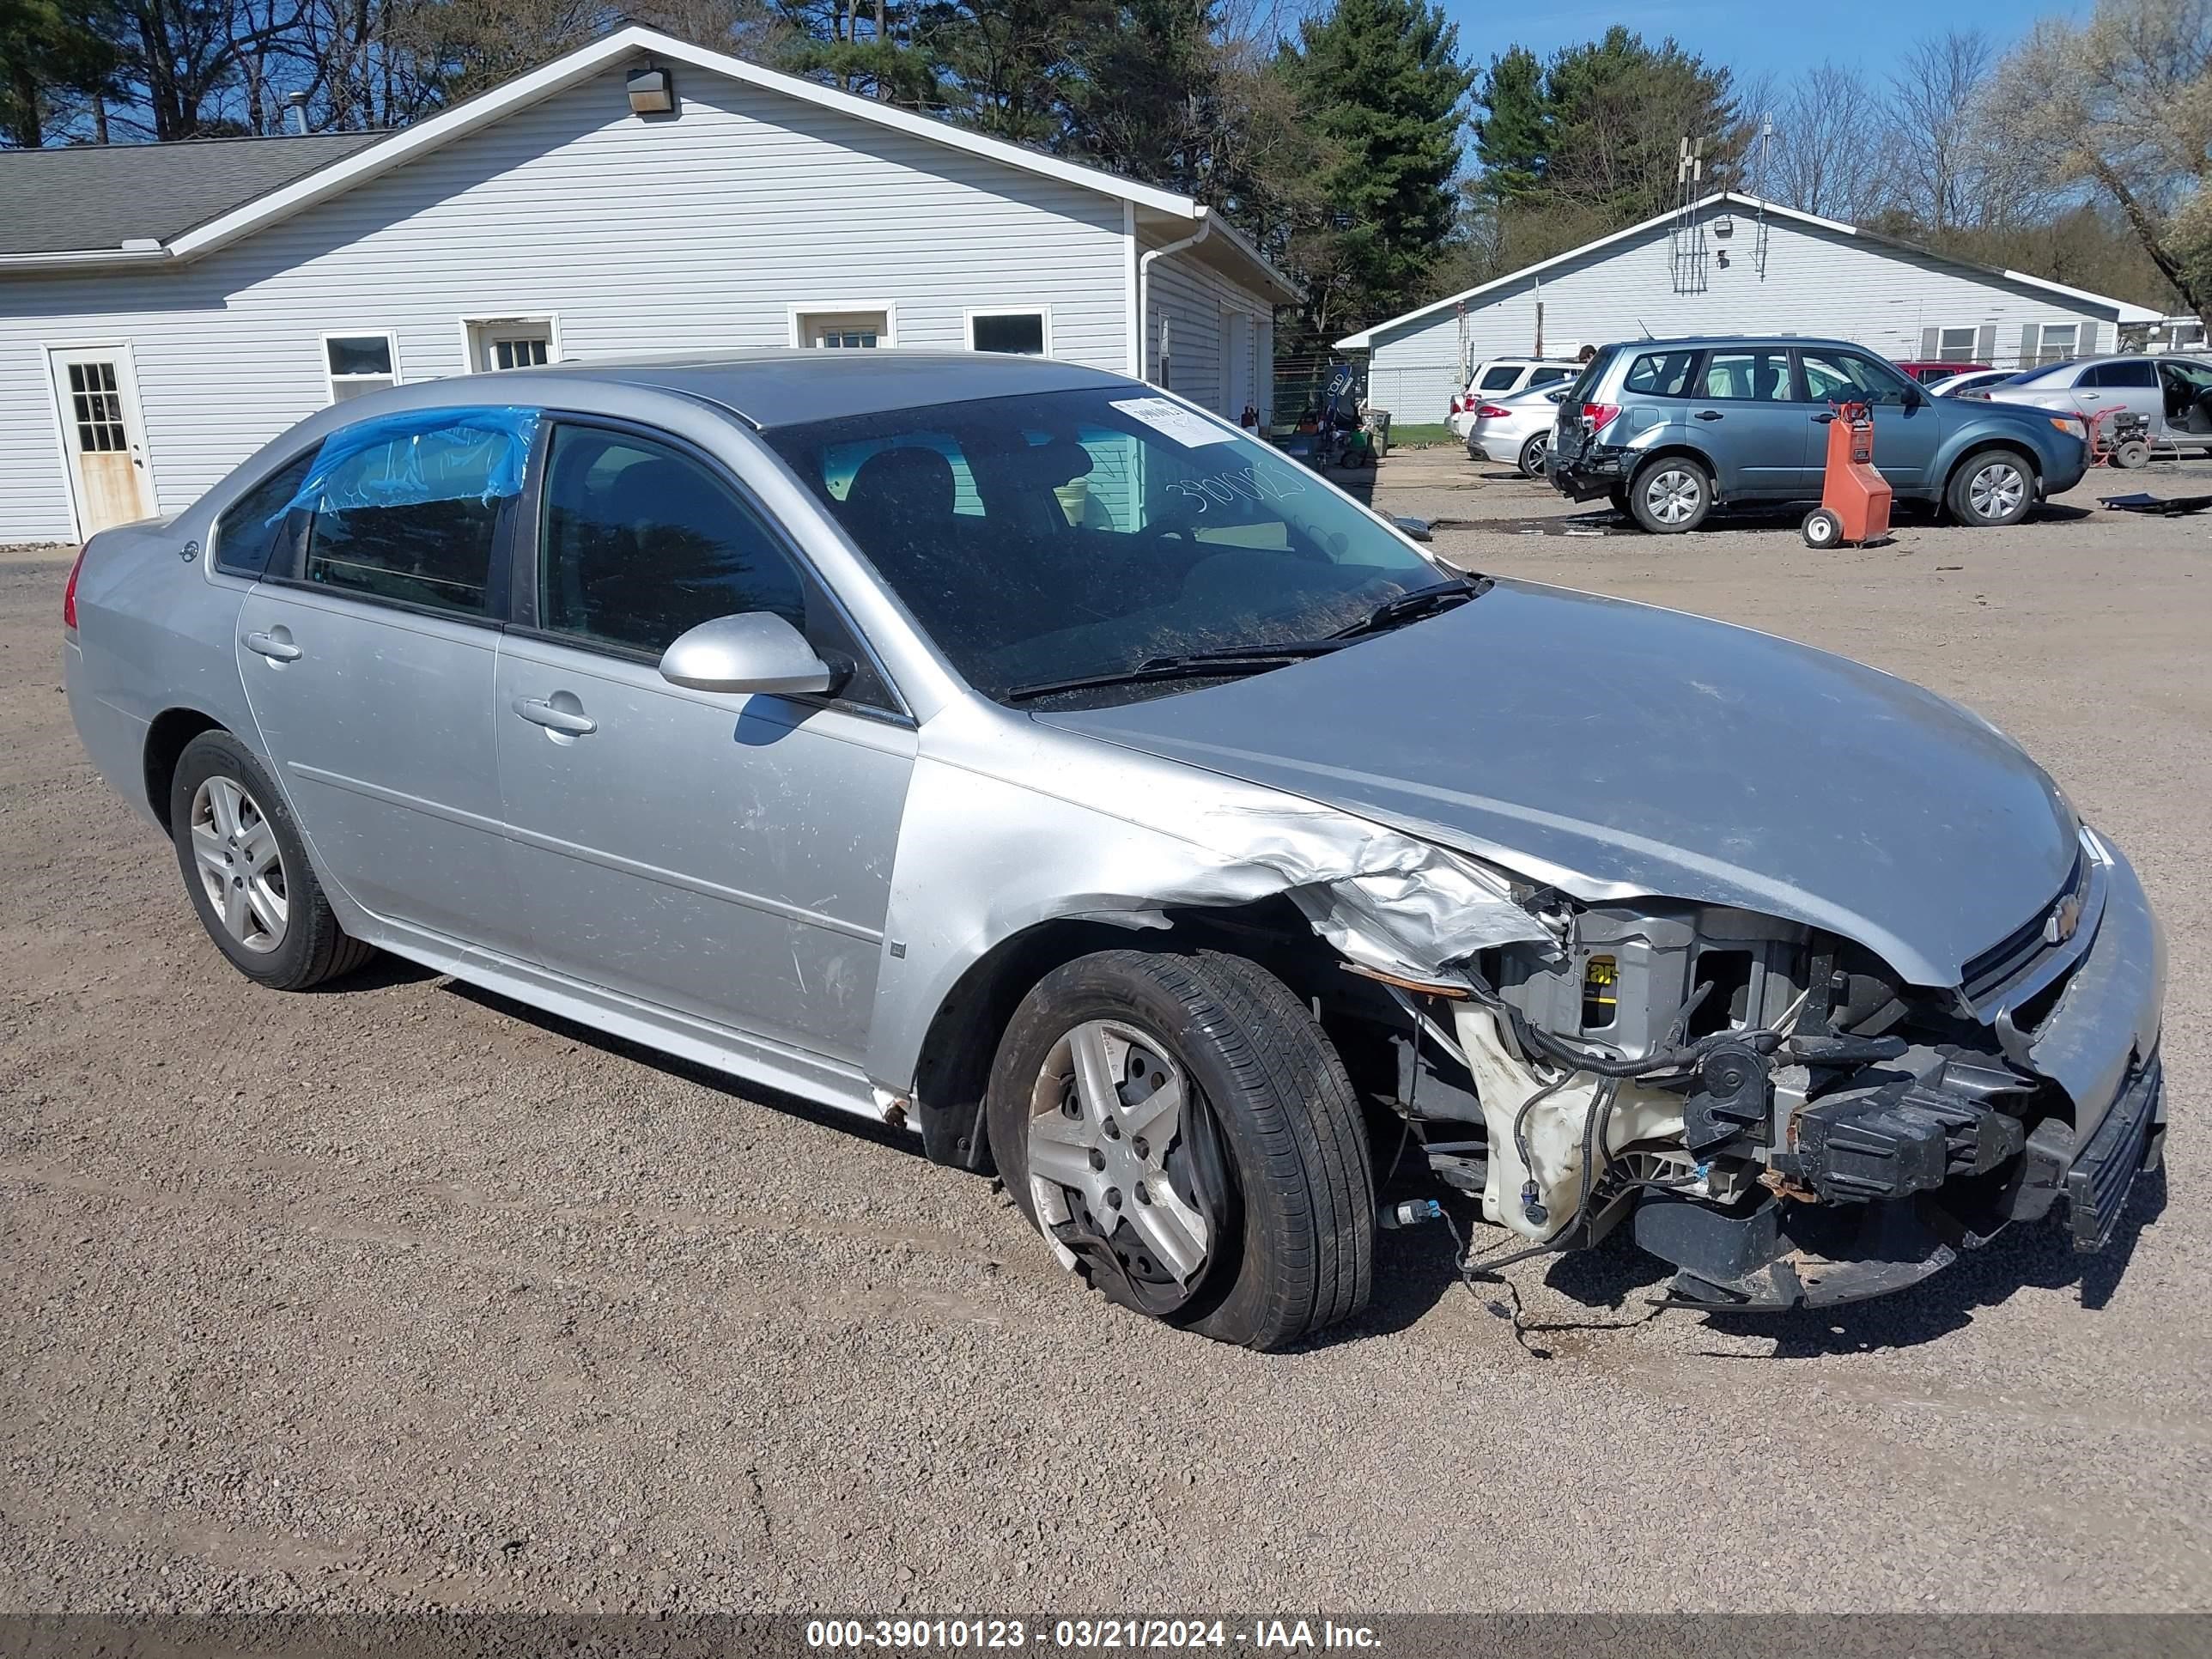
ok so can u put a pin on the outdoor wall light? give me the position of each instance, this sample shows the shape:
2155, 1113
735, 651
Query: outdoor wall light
651, 92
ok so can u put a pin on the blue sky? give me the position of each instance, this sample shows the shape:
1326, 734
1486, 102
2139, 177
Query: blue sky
1752, 36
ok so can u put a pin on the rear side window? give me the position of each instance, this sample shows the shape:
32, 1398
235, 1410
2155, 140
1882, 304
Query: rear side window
406, 507
2121, 375
1547, 373
262, 530
1760, 376
1499, 378
1660, 373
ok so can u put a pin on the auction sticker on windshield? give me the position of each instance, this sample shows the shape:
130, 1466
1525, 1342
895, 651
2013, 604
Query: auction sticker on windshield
1162, 415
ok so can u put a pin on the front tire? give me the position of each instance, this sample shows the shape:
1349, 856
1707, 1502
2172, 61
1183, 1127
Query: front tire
1671, 496
245, 870
1990, 489
1186, 1137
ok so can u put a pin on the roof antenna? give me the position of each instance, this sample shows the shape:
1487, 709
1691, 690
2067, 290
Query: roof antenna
298, 100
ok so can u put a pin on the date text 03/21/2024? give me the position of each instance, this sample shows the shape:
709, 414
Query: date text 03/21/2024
1084, 1635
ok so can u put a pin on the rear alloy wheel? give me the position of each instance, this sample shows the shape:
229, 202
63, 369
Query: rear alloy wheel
1992, 489
246, 870
1185, 1139
1670, 495
1532, 457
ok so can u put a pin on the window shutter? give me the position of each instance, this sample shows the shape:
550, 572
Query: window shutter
2030, 341
2091, 345
1985, 343
1931, 344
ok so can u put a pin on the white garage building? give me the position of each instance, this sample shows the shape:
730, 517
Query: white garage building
167, 309
1732, 264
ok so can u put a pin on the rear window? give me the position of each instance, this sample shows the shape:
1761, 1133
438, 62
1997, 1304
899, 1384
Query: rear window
1660, 373
1586, 382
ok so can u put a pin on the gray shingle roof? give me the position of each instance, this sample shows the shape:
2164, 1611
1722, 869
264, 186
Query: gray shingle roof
93, 197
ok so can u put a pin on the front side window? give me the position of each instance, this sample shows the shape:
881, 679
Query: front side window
358, 363
2135, 373
405, 508
641, 543
1051, 537
1662, 373
260, 534
1760, 376
1846, 377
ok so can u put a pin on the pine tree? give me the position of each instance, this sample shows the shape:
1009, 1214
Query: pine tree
1381, 83
1513, 135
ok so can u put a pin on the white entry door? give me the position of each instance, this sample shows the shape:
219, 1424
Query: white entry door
97, 397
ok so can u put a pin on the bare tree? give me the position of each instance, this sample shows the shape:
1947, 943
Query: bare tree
2124, 105
1943, 149
1830, 151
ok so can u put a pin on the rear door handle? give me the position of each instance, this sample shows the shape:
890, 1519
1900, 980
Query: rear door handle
275, 649
538, 712
1709, 414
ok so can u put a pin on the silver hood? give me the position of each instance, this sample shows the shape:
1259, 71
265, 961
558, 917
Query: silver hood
1619, 750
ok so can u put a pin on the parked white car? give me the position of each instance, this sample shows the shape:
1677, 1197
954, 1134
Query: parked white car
1975, 383
1515, 428
1499, 378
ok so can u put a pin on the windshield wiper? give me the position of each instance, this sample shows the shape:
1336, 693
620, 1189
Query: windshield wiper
1421, 602
1228, 660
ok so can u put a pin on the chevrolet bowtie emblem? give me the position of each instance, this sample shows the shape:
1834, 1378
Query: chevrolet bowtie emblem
2059, 926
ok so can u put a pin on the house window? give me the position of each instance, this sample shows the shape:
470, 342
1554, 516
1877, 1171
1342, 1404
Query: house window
499, 342
2059, 342
842, 328
1955, 345
356, 363
1022, 333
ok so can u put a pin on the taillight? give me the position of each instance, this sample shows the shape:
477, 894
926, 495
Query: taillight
1491, 412
69, 594
1458, 404
1600, 415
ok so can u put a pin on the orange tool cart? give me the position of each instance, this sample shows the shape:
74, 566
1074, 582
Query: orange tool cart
1854, 497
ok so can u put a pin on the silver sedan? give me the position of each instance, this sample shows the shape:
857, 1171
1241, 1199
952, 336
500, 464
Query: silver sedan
1020, 756
1516, 429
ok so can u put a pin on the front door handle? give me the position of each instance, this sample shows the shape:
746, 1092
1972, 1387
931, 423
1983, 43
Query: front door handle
1822, 420
272, 647
572, 723
1709, 414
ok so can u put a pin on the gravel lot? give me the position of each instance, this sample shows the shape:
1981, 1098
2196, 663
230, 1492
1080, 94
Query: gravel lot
397, 1297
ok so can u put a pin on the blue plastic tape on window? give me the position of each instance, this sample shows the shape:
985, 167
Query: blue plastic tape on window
423, 455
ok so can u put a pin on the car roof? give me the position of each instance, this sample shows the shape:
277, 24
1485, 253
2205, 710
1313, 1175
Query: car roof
794, 386
1700, 341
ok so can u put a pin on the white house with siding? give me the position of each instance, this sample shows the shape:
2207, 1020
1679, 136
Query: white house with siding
1733, 264
167, 309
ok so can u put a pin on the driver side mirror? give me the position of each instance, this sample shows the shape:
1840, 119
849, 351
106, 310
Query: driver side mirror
755, 651
1914, 396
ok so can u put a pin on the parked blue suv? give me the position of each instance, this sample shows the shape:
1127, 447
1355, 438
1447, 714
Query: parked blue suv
1670, 430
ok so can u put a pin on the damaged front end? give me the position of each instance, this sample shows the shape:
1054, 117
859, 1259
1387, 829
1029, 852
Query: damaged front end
1768, 1109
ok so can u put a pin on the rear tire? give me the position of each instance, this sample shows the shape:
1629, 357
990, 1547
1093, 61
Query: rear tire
1990, 488
1671, 496
1532, 457
1265, 1144
245, 870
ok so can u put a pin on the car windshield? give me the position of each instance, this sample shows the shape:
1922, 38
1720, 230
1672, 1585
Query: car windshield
1072, 534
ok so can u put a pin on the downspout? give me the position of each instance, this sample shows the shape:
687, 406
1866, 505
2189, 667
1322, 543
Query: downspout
1144, 286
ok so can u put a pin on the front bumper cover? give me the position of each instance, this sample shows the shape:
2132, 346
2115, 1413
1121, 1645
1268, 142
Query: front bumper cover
2099, 1044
